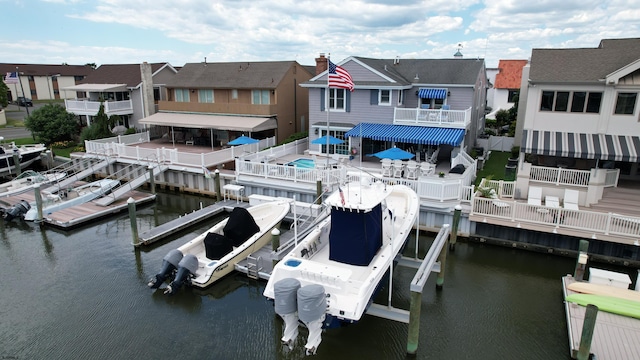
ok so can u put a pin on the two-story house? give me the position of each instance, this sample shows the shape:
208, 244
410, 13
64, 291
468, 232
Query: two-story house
213, 103
414, 104
128, 90
506, 86
44, 82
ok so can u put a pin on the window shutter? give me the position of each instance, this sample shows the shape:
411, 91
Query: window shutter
374, 97
322, 99
347, 100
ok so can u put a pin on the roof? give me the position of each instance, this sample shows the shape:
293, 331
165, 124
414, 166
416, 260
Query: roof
583, 64
210, 121
47, 70
509, 74
232, 75
128, 74
406, 72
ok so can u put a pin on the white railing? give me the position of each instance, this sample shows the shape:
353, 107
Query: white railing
611, 178
503, 189
432, 117
591, 221
560, 176
87, 107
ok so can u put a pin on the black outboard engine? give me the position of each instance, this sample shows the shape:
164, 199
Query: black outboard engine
186, 270
17, 210
169, 265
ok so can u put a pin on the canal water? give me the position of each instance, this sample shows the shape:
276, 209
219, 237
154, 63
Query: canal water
83, 295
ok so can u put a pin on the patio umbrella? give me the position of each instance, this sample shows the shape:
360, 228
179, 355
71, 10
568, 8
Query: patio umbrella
394, 154
243, 140
323, 140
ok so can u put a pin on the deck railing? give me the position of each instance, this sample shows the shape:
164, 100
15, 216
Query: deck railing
560, 176
432, 117
87, 107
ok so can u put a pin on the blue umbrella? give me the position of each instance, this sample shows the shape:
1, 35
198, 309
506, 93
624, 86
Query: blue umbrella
394, 154
323, 140
243, 140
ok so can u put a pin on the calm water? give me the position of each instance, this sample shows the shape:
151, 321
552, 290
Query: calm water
83, 295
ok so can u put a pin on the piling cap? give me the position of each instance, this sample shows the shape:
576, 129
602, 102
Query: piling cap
130, 200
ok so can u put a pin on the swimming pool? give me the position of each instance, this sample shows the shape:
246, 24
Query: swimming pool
303, 163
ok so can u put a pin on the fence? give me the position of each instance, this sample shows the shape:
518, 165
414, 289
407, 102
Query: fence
560, 176
495, 143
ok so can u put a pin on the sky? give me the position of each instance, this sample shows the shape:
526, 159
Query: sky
78, 32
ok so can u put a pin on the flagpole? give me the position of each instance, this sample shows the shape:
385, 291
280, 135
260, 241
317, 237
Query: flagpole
328, 110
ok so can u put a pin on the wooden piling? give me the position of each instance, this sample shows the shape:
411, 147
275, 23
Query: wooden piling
442, 259
588, 326
581, 262
275, 243
319, 191
457, 213
414, 323
152, 180
16, 162
131, 204
216, 184
38, 198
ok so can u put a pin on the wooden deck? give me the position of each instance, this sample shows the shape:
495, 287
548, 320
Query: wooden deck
615, 337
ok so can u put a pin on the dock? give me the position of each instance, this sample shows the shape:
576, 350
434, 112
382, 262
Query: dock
615, 337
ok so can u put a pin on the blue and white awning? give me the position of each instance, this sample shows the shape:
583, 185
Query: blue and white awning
408, 134
584, 146
432, 93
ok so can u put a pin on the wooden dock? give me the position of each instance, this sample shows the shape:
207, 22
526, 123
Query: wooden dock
615, 336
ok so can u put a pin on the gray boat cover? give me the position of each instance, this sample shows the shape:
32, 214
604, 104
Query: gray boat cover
312, 302
285, 296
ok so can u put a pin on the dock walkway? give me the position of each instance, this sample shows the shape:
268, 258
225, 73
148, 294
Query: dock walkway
614, 337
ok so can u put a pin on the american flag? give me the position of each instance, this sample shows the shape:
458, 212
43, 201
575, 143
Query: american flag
341, 195
339, 77
11, 78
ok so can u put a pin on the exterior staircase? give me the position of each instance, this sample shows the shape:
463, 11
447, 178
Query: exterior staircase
619, 200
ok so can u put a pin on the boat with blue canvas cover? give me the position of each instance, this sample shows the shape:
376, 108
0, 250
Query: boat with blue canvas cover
332, 274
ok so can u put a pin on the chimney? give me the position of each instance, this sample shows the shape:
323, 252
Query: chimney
321, 64
147, 89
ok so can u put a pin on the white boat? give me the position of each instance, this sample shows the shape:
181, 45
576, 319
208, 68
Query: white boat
27, 154
76, 196
213, 254
27, 180
331, 275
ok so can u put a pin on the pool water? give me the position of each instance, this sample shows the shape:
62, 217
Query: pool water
303, 163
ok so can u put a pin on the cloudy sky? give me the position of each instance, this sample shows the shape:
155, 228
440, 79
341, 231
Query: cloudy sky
182, 31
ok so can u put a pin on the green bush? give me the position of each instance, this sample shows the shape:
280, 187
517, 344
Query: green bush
52, 123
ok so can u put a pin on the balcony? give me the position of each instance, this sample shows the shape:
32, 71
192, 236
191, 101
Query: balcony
432, 117
87, 107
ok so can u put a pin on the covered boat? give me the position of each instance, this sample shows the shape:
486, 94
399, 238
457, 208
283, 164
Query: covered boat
214, 253
27, 180
332, 274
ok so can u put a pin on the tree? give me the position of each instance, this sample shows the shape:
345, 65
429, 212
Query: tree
52, 123
4, 101
100, 126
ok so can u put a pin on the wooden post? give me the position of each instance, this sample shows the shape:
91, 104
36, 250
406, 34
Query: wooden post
588, 326
152, 180
454, 228
38, 196
16, 162
414, 322
275, 243
581, 262
442, 259
134, 223
216, 184
319, 191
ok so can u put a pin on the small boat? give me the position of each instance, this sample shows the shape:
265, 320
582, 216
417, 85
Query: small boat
331, 275
214, 253
27, 154
75, 196
28, 180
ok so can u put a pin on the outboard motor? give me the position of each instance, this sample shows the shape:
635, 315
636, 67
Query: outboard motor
312, 306
286, 305
17, 210
186, 270
169, 265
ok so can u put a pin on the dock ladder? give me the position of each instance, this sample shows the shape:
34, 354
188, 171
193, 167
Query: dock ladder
253, 266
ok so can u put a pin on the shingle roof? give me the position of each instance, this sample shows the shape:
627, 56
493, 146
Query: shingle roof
509, 75
228, 75
583, 64
47, 70
119, 74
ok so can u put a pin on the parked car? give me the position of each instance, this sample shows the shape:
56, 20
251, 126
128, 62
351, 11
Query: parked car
23, 101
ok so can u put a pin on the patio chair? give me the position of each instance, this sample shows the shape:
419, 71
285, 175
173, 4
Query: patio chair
387, 167
444, 114
412, 170
427, 168
571, 198
398, 167
535, 196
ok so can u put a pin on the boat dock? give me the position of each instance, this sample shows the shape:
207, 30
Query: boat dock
614, 336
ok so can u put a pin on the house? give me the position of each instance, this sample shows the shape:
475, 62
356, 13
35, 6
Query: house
122, 89
506, 86
419, 105
221, 101
579, 112
44, 82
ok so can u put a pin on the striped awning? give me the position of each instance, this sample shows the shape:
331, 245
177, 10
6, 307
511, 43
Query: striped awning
585, 146
432, 93
408, 134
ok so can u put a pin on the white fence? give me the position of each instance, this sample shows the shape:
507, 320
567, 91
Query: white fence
432, 117
495, 143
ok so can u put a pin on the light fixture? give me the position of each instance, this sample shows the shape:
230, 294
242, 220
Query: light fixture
448, 93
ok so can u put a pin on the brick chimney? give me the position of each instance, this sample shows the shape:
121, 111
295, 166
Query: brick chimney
321, 64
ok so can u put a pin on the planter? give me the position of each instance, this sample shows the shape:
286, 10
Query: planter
510, 172
512, 162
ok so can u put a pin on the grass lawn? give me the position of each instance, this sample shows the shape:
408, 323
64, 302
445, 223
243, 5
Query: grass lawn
494, 167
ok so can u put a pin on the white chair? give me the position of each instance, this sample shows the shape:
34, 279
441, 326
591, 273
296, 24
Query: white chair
412, 170
387, 168
535, 196
571, 198
427, 168
398, 167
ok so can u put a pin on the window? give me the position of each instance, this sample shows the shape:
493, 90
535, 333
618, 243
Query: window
593, 102
400, 97
513, 95
234, 94
626, 103
182, 95
578, 101
205, 96
336, 99
342, 149
384, 97
559, 101
260, 97
547, 100
562, 101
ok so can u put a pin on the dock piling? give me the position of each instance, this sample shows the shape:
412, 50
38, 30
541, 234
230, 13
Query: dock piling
16, 162
275, 243
414, 323
581, 262
132, 219
454, 227
152, 180
216, 184
587, 332
319, 191
38, 196
442, 259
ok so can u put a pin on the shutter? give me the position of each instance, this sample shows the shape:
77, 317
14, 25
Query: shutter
374, 97
322, 98
347, 100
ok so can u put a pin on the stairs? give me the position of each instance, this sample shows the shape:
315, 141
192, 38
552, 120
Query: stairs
619, 200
